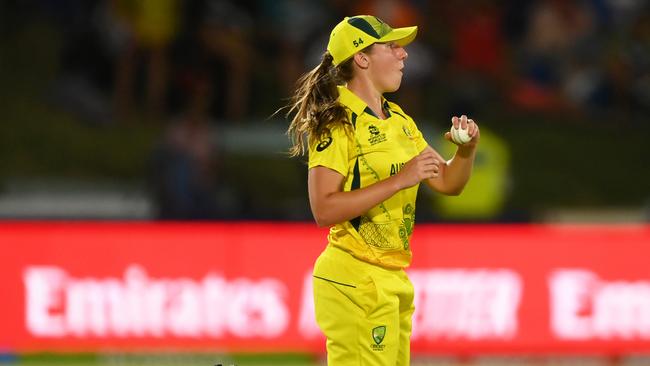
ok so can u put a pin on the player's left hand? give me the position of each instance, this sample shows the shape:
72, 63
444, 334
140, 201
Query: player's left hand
472, 129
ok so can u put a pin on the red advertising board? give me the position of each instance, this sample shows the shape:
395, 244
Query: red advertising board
247, 287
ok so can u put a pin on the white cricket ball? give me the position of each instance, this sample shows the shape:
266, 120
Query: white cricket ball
460, 135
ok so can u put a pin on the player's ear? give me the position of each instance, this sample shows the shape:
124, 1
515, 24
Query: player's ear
361, 60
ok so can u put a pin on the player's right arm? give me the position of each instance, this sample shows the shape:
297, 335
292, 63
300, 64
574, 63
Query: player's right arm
331, 205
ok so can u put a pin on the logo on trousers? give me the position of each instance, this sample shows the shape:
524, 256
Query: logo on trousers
378, 334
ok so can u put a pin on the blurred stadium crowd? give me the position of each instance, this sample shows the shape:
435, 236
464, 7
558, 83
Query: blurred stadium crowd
581, 56
192, 67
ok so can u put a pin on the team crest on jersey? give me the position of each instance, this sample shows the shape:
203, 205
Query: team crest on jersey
324, 144
376, 136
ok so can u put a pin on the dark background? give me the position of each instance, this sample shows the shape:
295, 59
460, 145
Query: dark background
160, 109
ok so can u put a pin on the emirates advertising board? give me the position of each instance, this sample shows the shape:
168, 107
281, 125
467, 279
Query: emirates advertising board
246, 287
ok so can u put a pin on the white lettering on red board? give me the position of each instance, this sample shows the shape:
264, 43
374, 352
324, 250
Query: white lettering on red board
307, 320
470, 304
137, 305
585, 307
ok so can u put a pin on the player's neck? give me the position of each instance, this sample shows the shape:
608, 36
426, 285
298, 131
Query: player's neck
364, 89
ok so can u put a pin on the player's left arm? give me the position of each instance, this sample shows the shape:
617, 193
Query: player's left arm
454, 175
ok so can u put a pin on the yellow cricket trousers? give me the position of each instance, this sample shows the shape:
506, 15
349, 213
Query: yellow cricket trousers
363, 309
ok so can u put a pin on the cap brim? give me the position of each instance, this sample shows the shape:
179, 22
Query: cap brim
401, 36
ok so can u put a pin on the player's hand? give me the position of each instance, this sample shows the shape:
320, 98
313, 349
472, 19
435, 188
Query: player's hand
421, 167
465, 123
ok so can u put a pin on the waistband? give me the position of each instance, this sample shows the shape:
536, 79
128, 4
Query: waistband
343, 255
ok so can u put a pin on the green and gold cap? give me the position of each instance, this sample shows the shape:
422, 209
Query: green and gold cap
353, 34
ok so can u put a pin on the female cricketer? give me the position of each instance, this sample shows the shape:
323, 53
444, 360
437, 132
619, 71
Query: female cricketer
366, 160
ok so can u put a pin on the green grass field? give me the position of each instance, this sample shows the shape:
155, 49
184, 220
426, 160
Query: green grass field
171, 359
185, 359
209, 359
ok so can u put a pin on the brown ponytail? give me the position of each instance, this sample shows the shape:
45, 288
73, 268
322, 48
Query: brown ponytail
316, 105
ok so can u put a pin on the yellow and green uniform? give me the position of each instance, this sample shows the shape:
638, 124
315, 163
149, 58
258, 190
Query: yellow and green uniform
369, 151
363, 298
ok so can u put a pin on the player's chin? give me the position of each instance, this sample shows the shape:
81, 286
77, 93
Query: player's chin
394, 85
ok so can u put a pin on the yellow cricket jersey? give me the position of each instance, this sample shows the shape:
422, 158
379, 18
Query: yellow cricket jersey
368, 152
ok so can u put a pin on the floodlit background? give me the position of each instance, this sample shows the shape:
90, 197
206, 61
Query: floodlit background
161, 110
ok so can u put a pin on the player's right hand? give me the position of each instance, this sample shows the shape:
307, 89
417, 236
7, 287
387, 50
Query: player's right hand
421, 167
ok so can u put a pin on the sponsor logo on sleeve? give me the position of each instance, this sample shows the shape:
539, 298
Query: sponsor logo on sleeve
324, 144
